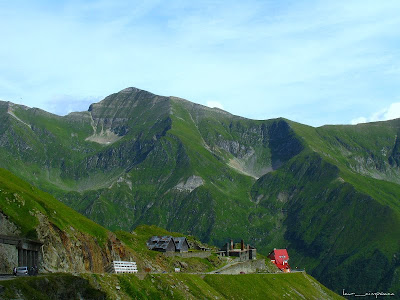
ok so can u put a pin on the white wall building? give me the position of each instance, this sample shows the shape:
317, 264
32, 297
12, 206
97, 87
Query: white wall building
122, 267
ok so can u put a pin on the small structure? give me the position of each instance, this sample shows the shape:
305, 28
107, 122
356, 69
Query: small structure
28, 250
243, 252
202, 248
168, 243
122, 267
280, 258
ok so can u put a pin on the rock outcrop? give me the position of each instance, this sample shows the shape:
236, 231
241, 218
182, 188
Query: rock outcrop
64, 251
73, 251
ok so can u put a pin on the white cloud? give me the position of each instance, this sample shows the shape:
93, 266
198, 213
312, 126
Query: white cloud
214, 104
389, 113
393, 111
359, 120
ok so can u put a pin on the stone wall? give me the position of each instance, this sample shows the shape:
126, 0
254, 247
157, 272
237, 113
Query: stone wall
8, 258
8, 253
202, 254
251, 266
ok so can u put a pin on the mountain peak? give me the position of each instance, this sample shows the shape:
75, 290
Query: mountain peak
129, 90
135, 91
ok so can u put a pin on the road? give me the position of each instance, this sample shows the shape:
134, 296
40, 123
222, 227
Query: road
6, 277
10, 276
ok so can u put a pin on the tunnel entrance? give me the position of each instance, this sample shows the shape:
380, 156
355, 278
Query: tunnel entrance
28, 250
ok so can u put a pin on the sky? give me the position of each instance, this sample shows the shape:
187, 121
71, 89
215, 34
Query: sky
314, 62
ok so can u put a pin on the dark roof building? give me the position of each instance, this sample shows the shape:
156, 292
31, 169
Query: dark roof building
181, 244
161, 243
168, 244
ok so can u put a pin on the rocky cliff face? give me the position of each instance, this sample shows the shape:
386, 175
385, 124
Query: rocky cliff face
63, 251
8, 253
74, 251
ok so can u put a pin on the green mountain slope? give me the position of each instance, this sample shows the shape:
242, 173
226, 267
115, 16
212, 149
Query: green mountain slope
167, 286
329, 194
341, 234
73, 243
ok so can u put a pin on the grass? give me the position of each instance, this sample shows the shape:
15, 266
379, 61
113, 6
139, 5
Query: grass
21, 202
167, 286
55, 286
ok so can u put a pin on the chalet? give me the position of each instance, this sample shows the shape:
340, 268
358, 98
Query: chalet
181, 244
280, 258
168, 244
161, 243
243, 252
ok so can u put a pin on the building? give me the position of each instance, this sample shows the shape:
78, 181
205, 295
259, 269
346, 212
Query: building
280, 258
161, 243
181, 244
168, 244
122, 267
242, 252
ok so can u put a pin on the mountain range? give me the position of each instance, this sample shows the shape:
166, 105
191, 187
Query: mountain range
330, 195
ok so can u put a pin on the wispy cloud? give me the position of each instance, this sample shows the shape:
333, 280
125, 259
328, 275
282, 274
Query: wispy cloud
387, 113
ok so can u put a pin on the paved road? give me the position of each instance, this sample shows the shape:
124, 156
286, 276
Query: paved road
6, 277
10, 277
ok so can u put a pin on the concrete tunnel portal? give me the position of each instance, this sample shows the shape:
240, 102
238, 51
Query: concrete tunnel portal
28, 250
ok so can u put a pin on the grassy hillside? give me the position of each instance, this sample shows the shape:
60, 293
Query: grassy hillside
330, 227
168, 286
26, 207
22, 203
329, 194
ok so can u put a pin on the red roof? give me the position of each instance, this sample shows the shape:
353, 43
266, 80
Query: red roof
280, 257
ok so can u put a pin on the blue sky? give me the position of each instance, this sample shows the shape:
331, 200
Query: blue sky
315, 62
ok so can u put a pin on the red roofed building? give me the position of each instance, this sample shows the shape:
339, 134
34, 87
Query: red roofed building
280, 258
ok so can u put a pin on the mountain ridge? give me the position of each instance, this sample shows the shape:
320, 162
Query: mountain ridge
167, 161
